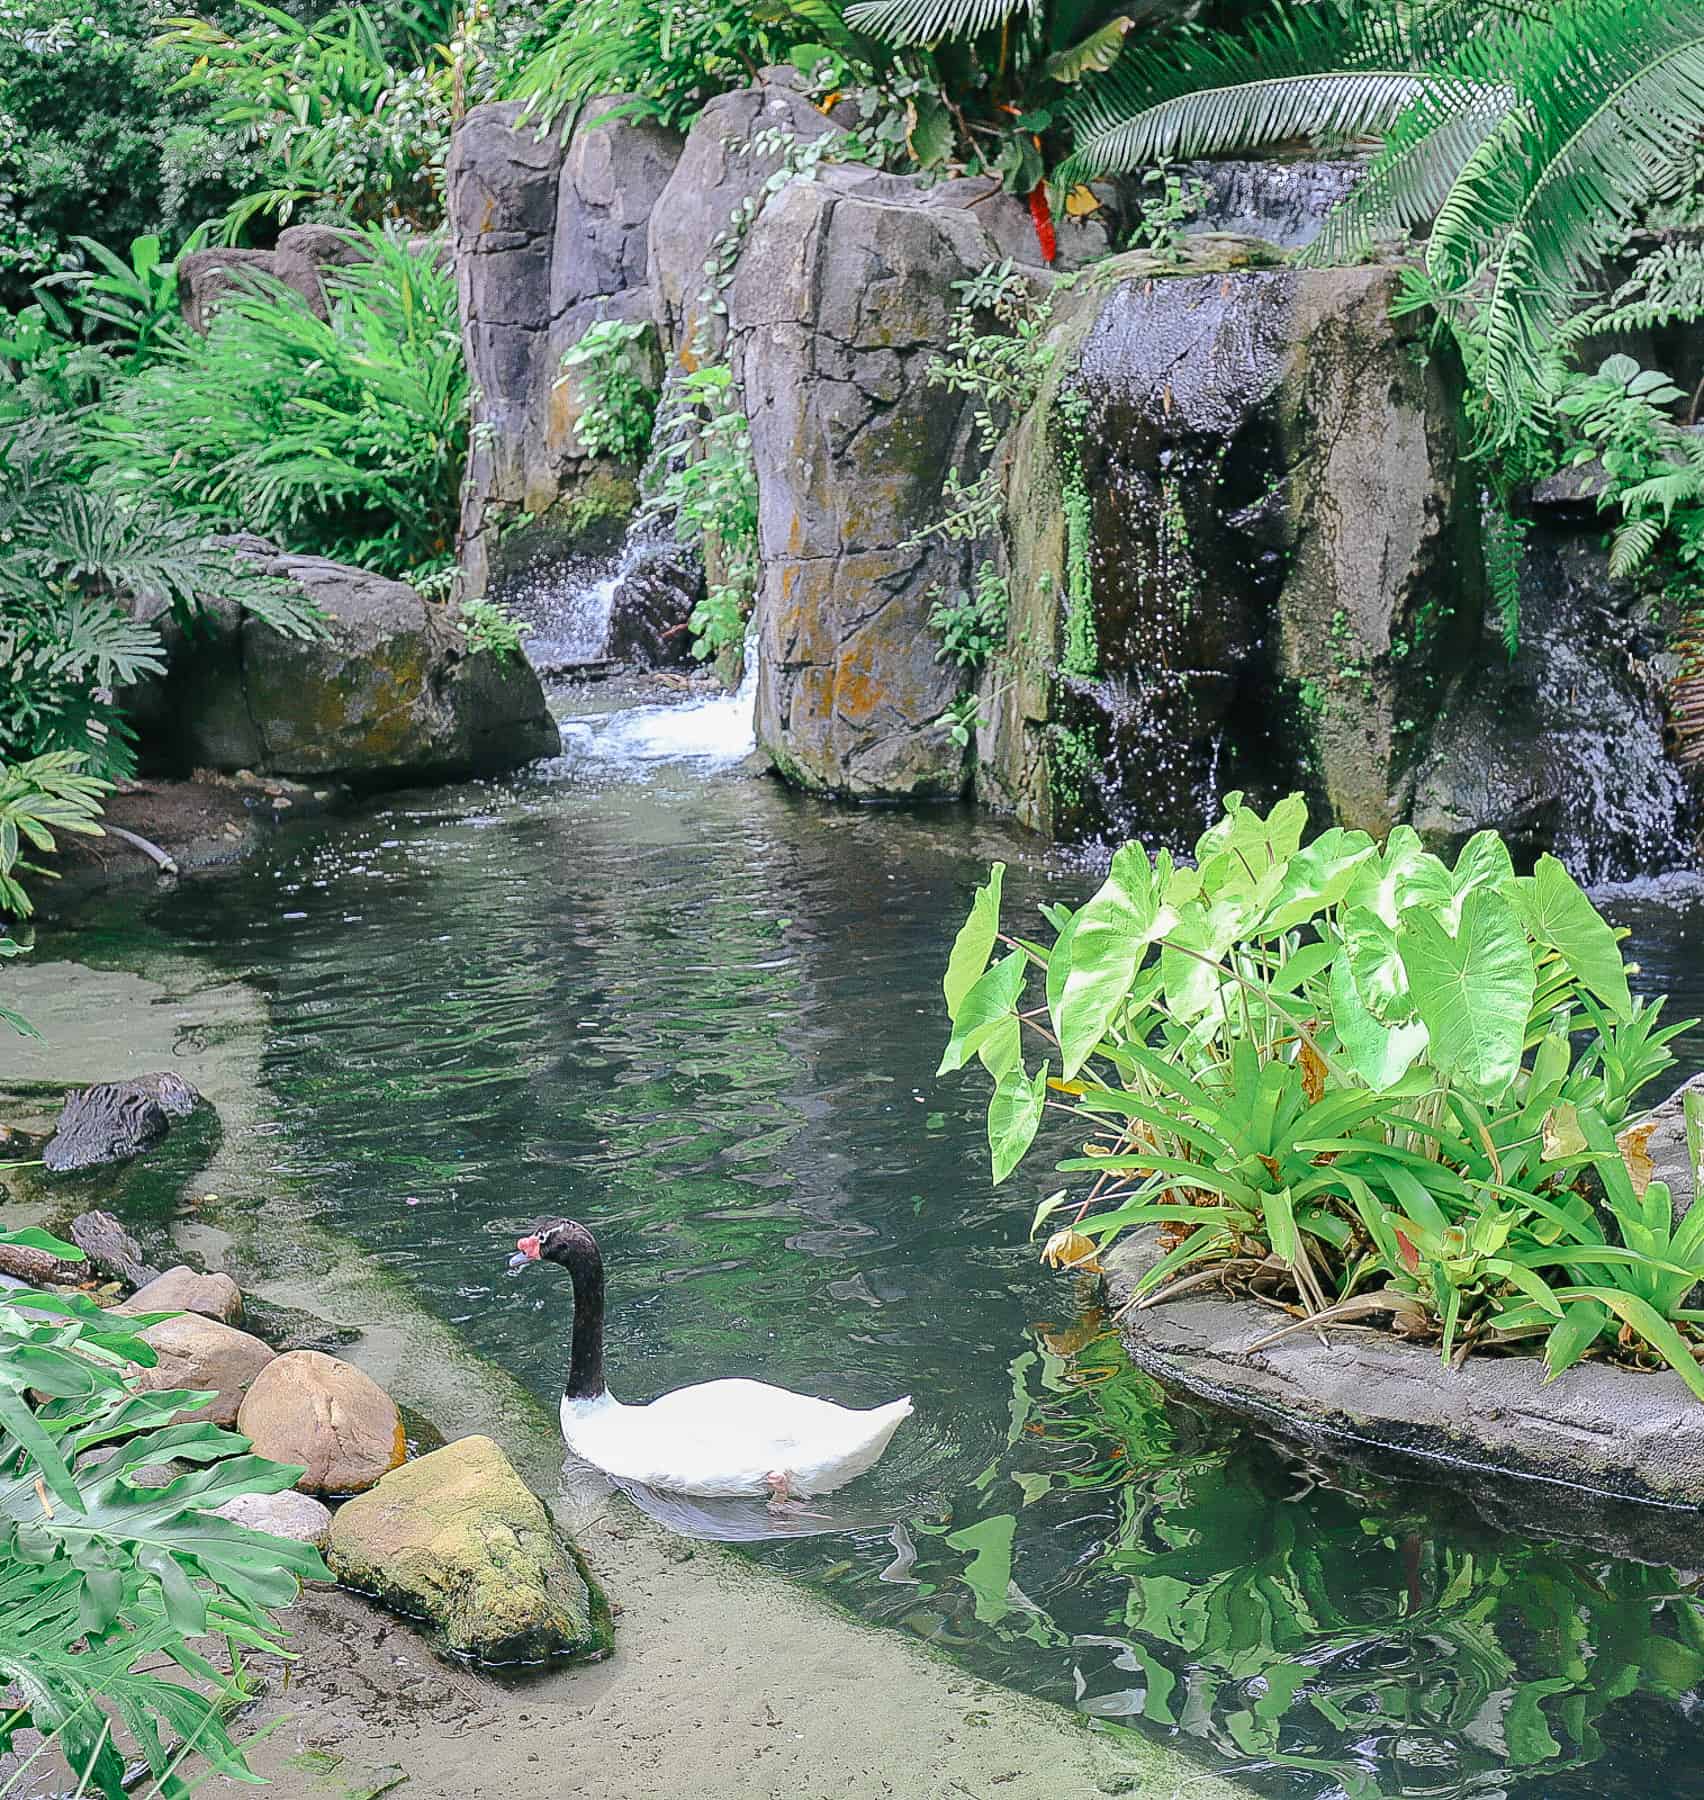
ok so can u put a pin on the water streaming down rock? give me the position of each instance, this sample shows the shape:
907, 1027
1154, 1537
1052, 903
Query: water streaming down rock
1563, 748
627, 603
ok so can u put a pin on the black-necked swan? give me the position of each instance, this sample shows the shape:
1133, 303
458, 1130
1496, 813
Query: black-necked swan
716, 1437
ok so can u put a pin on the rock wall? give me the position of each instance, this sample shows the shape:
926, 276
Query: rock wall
1279, 559
549, 232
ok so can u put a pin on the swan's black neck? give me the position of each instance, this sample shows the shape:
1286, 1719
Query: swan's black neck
578, 1254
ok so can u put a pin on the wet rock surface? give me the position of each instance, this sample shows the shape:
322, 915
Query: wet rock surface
328, 1416
841, 302
1281, 544
393, 693
1621, 1431
286, 1515
114, 1121
181, 1289
458, 1539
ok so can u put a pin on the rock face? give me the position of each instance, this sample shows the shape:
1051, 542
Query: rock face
1563, 748
181, 1289
548, 233
327, 1415
116, 1120
286, 1515
1277, 561
457, 1538
393, 693
1285, 203
302, 253
200, 1353
1633, 1433
843, 298
204, 275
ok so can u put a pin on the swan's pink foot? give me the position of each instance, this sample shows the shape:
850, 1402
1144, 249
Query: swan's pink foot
782, 1499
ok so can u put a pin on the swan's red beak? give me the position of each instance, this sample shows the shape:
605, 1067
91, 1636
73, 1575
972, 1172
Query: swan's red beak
528, 1247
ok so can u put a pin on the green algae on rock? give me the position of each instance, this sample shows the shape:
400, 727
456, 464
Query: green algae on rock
458, 1538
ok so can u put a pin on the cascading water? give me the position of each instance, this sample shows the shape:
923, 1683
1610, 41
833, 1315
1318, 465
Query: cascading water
711, 732
568, 606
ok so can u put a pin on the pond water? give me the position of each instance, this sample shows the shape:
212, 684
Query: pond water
643, 988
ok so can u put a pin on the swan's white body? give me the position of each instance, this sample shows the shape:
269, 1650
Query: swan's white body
731, 1437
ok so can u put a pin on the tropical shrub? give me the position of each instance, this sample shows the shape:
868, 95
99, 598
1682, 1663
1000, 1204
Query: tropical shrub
71, 558
102, 1581
343, 436
1351, 1076
340, 120
89, 135
621, 400
709, 489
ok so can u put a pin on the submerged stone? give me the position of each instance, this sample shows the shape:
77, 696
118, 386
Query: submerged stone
113, 1121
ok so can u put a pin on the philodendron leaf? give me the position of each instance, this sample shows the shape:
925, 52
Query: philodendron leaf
1369, 945
1554, 908
1405, 874
974, 943
1242, 849
1109, 939
1317, 878
1473, 991
1014, 1112
1379, 1054
984, 1010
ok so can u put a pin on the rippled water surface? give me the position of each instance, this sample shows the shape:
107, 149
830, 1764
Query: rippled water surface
645, 989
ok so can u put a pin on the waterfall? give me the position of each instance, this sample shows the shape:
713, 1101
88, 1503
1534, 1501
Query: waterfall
568, 605
712, 732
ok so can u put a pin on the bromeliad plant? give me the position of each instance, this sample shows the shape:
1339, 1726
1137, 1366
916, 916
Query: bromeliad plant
1351, 1077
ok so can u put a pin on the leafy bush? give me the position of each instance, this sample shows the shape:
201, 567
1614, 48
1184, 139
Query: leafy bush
1351, 1076
710, 489
101, 1579
487, 626
972, 624
338, 126
345, 437
621, 400
70, 558
90, 136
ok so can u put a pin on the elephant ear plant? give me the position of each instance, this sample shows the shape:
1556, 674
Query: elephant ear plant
104, 1582
1349, 1077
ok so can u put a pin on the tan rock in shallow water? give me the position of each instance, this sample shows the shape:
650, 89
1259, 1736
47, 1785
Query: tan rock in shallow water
458, 1538
195, 1352
339, 1424
182, 1290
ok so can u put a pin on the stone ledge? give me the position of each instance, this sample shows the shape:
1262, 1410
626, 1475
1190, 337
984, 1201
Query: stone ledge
1618, 1431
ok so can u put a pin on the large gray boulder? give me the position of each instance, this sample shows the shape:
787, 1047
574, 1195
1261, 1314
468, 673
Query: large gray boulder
736, 145
843, 298
392, 693
1281, 538
113, 1121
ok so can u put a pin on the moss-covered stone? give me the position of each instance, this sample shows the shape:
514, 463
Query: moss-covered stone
457, 1538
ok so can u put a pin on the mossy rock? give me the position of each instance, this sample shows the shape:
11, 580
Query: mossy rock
458, 1539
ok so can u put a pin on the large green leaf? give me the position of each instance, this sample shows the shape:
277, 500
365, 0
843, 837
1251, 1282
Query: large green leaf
974, 943
1369, 945
1405, 874
984, 1010
1109, 939
1241, 852
1317, 878
1014, 1112
1555, 910
1473, 991
1380, 1054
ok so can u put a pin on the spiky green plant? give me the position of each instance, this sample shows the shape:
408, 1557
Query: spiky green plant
343, 436
1528, 134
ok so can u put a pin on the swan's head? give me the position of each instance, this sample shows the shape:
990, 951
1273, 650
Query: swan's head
563, 1241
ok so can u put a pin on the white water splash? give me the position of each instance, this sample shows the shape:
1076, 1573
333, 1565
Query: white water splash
711, 732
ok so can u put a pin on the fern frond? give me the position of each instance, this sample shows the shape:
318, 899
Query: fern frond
1505, 551
1322, 70
922, 22
1610, 95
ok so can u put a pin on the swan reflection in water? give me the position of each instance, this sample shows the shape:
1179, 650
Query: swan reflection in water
737, 1519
